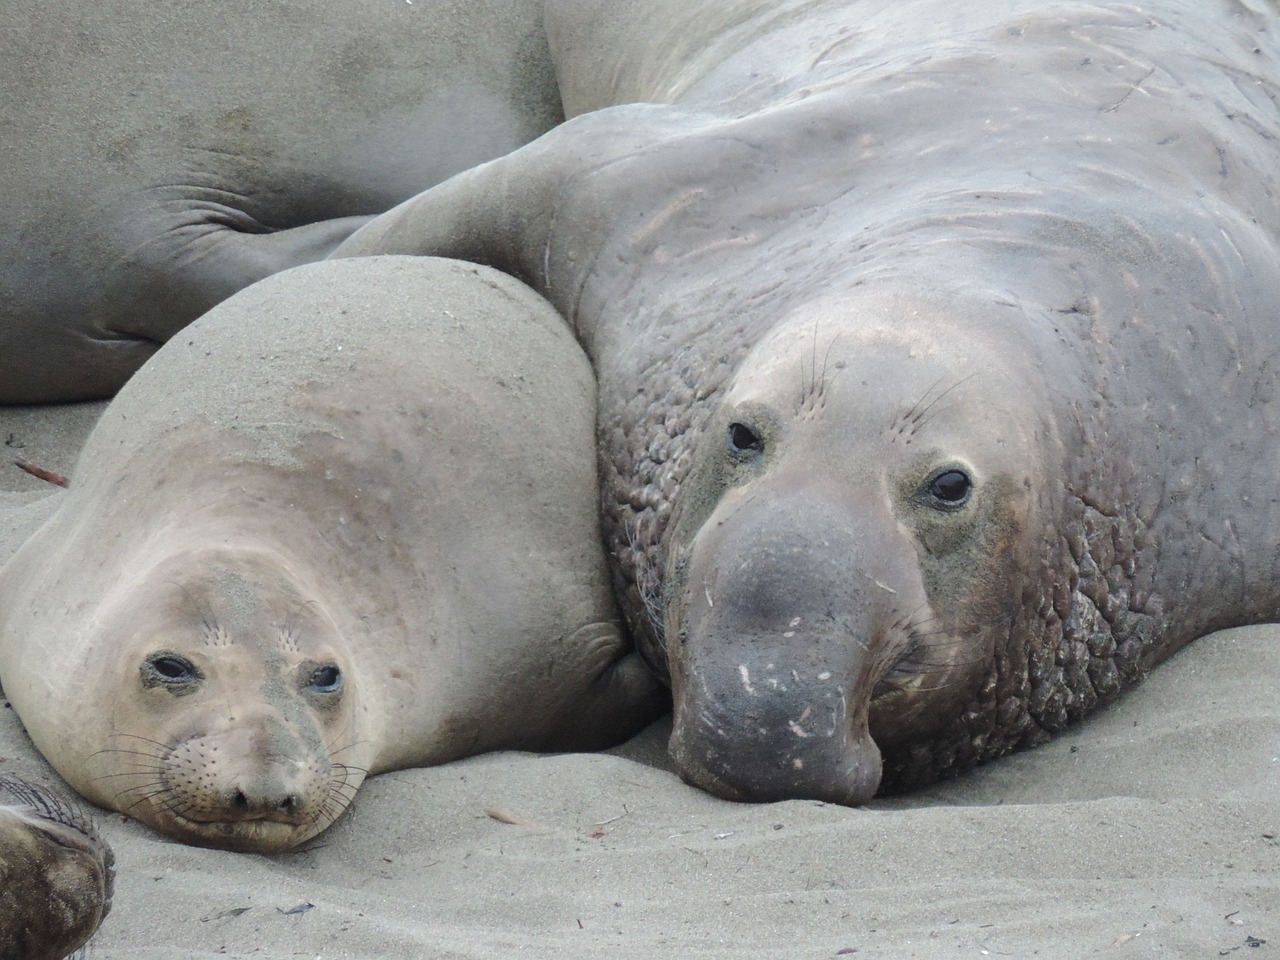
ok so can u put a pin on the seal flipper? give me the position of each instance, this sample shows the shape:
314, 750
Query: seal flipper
167, 280
504, 213
59, 873
625, 695
193, 265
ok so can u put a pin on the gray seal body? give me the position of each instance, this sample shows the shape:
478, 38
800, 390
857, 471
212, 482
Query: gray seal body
345, 523
936, 349
158, 158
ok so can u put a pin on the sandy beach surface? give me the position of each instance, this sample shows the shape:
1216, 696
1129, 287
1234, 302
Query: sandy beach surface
1153, 830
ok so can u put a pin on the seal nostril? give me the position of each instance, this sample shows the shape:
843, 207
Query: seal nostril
270, 806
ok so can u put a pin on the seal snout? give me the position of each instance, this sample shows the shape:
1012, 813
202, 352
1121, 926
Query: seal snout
277, 802
786, 622
786, 737
248, 787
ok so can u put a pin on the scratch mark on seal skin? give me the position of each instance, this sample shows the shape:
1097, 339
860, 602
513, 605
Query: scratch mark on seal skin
706, 588
668, 213
846, 37
744, 240
746, 678
1132, 90
882, 586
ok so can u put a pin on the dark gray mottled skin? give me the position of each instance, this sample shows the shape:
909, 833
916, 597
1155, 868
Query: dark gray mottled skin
1070, 206
157, 158
58, 874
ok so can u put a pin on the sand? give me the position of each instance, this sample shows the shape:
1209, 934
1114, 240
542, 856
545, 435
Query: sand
1153, 830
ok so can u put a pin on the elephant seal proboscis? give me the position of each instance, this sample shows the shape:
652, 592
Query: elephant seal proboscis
346, 523
154, 161
937, 349
56, 873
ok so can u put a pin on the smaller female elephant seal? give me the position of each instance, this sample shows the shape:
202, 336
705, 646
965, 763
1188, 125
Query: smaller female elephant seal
56, 874
345, 524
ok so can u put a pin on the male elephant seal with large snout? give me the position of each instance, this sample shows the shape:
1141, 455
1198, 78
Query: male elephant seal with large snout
937, 349
346, 523
155, 158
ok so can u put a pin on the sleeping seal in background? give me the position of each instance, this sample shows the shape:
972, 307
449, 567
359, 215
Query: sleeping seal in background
936, 347
346, 523
158, 158
56, 874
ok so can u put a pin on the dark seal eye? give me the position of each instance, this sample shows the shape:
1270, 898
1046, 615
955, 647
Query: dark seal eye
742, 439
170, 670
326, 678
950, 488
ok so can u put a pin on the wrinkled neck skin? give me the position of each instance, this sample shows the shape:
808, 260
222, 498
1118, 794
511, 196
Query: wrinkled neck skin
1104, 175
1115, 538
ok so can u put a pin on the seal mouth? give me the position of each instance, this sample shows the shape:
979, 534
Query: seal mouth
256, 834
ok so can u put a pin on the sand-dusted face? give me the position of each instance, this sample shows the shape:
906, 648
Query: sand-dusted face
845, 555
232, 715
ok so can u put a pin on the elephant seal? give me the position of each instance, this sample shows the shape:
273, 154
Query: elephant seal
936, 347
156, 161
56, 874
346, 523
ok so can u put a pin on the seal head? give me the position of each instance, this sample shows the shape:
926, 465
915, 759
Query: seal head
190, 752
841, 565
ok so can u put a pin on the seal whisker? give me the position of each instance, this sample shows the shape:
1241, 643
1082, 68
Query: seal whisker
122, 751
813, 385
140, 771
341, 793
925, 414
291, 629
207, 619
134, 736
923, 410
331, 744
144, 793
155, 790
345, 772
